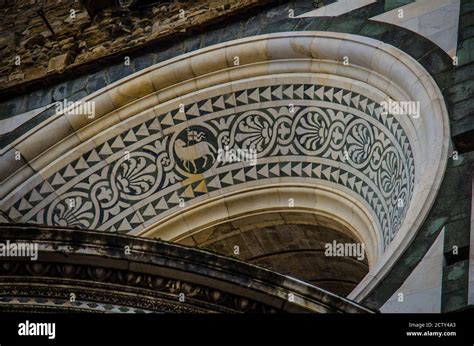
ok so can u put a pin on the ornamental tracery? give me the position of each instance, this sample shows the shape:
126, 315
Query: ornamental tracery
298, 131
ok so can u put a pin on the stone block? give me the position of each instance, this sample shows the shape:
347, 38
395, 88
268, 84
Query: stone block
16, 77
59, 63
231, 32
12, 107
60, 91
36, 72
118, 71
36, 40
461, 109
7, 39
461, 91
191, 44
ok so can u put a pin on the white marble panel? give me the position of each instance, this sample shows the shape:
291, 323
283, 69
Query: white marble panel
337, 8
437, 20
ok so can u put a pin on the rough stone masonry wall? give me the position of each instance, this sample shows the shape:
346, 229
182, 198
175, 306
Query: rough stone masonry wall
30, 51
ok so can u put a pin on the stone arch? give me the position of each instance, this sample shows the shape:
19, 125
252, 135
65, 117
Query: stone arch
297, 241
257, 206
314, 120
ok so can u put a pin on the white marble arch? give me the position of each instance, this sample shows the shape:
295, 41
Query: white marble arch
325, 205
378, 69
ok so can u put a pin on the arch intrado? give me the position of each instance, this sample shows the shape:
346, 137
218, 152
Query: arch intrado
310, 102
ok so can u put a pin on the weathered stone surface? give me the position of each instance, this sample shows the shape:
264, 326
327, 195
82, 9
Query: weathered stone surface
37, 40
16, 77
7, 39
59, 63
85, 31
36, 72
280, 247
39, 98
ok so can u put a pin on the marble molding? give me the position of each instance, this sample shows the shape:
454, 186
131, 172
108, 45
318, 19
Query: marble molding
313, 119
